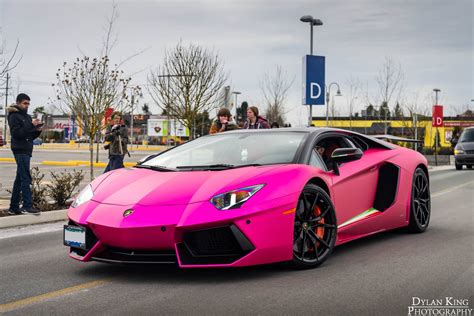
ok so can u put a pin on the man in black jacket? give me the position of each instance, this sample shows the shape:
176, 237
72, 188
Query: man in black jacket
23, 130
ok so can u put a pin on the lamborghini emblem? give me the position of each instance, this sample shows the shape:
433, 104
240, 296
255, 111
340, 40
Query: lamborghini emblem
127, 213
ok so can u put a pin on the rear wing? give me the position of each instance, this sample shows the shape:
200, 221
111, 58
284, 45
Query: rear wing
396, 138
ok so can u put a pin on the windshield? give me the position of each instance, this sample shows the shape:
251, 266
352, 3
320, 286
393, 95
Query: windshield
232, 150
467, 136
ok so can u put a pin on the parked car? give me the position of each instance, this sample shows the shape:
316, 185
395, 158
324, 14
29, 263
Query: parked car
250, 197
37, 141
464, 150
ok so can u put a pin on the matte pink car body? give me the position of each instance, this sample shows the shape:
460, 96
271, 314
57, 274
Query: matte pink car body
167, 204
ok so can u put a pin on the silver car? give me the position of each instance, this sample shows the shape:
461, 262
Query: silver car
464, 150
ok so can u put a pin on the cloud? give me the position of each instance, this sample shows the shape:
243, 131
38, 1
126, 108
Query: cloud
431, 39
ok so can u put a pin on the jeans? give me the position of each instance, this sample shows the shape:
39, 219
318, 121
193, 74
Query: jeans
115, 162
22, 184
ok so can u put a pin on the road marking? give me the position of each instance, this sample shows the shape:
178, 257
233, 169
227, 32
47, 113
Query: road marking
35, 299
451, 189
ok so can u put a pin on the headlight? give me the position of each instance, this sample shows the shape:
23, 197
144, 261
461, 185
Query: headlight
458, 151
235, 198
85, 195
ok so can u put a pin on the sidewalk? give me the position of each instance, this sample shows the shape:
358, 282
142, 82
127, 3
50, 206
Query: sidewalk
85, 147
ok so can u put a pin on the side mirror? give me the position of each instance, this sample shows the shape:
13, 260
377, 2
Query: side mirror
342, 155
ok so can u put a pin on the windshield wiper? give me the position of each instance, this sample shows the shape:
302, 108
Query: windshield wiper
211, 167
156, 168
221, 166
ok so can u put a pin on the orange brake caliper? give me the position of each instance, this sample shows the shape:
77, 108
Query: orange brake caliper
319, 230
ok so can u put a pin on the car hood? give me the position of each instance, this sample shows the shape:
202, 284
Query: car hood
465, 146
149, 187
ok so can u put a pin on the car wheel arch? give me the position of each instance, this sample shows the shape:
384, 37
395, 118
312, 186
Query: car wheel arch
320, 183
425, 169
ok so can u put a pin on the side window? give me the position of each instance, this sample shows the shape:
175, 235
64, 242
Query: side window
316, 161
326, 146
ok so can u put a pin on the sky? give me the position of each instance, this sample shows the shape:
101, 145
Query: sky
432, 40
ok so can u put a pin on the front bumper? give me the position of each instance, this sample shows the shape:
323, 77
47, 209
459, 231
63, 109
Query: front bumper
194, 235
464, 159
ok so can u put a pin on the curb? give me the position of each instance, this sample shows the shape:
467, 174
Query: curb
21, 220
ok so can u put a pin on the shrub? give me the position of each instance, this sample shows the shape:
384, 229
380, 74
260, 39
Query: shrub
62, 186
38, 190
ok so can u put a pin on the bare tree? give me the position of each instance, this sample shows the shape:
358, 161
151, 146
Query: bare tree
88, 86
275, 86
416, 107
187, 83
8, 63
353, 91
389, 83
86, 89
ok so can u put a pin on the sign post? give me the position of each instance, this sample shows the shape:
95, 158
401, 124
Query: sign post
314, 75
437, 121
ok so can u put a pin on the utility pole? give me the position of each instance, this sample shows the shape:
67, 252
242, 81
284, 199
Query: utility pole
131, 117
436, 91
415, 123
6, 105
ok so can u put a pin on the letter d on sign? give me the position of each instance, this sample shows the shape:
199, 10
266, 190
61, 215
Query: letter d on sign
313, 86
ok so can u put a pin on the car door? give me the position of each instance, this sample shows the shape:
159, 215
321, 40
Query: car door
355, 186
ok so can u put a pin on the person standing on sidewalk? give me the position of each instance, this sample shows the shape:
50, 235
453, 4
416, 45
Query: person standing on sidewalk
117, 135
23, 130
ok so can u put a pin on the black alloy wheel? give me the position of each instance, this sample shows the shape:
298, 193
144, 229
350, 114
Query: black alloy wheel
315, 228
420, 202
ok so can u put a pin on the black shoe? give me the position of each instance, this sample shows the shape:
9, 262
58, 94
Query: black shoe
12, 212
30, 210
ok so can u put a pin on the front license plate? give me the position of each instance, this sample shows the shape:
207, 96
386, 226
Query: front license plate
75, 236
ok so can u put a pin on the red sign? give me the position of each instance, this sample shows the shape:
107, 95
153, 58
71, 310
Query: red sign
108, 113
437, 119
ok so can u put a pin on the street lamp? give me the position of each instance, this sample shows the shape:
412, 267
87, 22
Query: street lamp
236, 93
328, 97
312, 21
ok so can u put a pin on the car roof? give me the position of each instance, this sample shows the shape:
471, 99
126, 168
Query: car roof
314, 131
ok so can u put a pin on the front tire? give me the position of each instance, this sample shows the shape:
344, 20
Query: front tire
315, 229
458, 166
469, 166
420, 211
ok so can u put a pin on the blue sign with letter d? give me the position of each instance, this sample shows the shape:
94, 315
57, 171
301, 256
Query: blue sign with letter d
314, 75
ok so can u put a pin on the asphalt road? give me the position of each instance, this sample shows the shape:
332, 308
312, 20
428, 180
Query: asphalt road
378, 275
8, 169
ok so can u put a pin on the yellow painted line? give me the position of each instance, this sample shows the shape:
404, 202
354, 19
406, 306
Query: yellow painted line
35, 299
7, 159
58, 163
80, 162
451, 189
130, 164
293, 210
